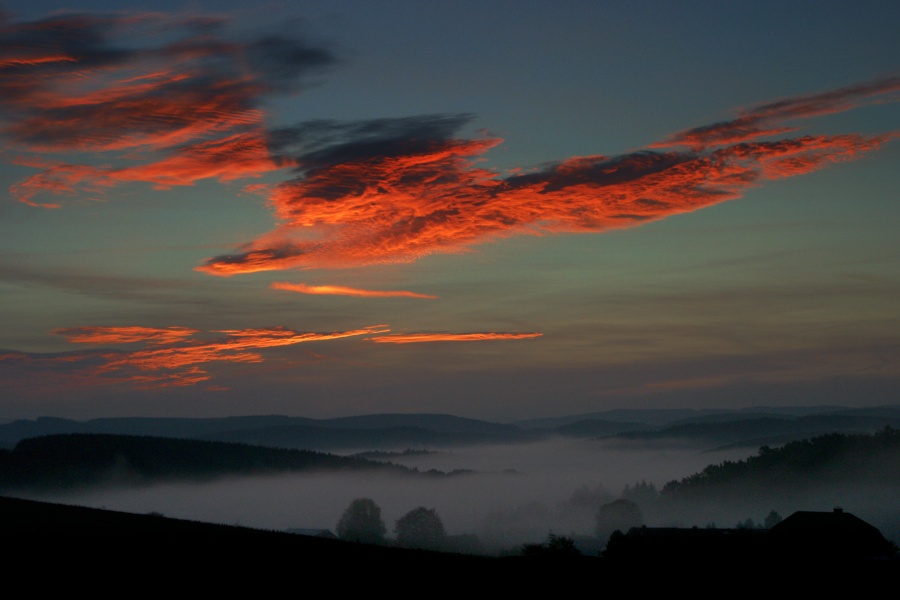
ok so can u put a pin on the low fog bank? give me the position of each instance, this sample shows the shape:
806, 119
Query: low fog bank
518, 494
525, 490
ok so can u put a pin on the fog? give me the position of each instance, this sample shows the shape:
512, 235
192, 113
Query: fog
519, 493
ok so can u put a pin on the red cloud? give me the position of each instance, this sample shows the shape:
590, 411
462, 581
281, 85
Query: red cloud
236, 347
183, 109
125, 335
185, 105
416, 338
337, 290
175, 357
764, 120
400, 208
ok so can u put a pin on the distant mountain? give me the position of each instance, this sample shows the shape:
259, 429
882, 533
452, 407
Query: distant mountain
12, 433
709, 428
380, 431
647, 417
590, 428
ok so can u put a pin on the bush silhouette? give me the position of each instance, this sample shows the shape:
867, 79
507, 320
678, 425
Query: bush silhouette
362, 522
421, 528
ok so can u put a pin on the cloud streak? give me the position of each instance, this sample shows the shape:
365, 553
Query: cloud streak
174, 356
394, 191
418, 338
337, 290
766, 119
125, 335
180, 356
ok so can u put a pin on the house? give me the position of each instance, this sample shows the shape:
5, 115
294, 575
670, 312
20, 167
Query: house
803, 536
828, 535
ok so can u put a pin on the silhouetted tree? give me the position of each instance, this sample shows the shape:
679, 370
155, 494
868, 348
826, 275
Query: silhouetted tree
362, 522
557, 546
421, 528
621, 514
615, 545
747, 524
642, 493
772, 519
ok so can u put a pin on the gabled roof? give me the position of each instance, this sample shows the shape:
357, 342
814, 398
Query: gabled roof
832, 534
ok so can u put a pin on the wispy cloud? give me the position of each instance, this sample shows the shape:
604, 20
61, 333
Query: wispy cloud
337, 290
125, 335
174, 356
183, 105
392, 191
767, 119
417, 338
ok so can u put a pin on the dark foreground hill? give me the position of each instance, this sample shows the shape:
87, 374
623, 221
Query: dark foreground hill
77, 535
70, 548
77, 548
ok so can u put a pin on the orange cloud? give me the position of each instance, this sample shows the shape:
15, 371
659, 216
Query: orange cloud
234, 348
236, 156
336, 290
174, 356
125, 335
434, 199
765, 119
416, 338
182, 106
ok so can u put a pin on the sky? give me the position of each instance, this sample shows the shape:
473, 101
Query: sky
498, 210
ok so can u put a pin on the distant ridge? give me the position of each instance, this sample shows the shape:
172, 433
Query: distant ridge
63, 461
398, 431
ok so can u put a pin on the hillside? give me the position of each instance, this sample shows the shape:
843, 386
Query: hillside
73, 460
835, 457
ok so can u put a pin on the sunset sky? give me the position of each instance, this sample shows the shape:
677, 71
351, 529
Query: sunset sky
495, 209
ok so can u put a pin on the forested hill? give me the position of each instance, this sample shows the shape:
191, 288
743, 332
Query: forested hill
800, 465
63, 461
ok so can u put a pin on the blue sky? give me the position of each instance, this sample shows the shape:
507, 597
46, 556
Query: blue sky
784, 294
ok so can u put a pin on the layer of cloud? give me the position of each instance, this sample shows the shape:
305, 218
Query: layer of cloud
391, 191
767, 119
187, 104
417, 338
337, 290
174, 356
125, 335
183, 105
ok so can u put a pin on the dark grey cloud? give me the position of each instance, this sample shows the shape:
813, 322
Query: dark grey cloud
181, 71
326, 142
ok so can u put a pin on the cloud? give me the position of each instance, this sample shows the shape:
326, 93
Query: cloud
766, 119
337, 290
174, 356
416, 338
180, 356
125, 335
408, 188
185, 104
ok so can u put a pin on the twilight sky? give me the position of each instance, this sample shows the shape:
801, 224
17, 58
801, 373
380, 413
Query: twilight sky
493, 209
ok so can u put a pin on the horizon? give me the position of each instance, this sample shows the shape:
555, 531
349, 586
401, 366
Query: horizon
786, 411
503, 212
